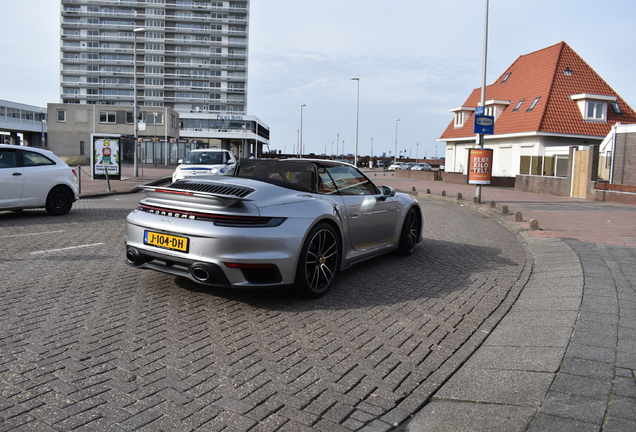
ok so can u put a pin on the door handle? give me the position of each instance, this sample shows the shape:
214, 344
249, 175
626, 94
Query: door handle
17, 174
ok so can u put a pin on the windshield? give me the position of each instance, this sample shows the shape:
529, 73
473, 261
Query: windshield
205, 158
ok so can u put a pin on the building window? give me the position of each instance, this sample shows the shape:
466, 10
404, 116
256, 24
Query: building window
81, 147
459, 119
616, 108
533, 104
107, 117
150, 118
595, 110
549, 166
518, 105
61, 115
506, 77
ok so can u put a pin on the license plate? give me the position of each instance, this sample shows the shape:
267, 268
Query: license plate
166, 241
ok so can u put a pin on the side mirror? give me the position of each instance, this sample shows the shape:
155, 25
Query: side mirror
387, 191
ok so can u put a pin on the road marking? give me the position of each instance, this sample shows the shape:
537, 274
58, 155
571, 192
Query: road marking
28, 234
67, 248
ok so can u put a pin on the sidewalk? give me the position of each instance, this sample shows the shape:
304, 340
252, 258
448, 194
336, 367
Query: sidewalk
564, 357
148, 174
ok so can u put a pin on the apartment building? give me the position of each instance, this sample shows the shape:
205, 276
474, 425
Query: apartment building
188, 56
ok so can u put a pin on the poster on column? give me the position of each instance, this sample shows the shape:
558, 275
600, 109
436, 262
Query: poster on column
106, 158
479, 166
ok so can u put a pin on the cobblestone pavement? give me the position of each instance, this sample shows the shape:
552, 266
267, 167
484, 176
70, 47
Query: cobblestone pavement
90, 344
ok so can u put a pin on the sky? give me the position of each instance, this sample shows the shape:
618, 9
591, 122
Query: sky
415, 60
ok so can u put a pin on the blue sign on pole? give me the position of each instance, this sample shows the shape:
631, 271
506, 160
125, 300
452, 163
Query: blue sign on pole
484, 124
479, 110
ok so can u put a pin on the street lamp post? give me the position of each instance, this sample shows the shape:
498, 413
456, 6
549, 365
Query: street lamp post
42, 123
355, 156
154, 119
301, 130
480, 137
135, 119
372, 151
417, 148
395, 154
337, 143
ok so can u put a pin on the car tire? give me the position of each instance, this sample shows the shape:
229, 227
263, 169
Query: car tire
59, 201
410, 233
319, 261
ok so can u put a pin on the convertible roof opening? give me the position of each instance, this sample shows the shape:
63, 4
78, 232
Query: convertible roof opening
290, 173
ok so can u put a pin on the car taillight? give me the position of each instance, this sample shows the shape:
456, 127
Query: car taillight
74, 172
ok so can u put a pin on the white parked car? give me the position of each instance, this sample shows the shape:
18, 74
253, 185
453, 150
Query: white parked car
204, 161
422, 167
35, 178
395, 165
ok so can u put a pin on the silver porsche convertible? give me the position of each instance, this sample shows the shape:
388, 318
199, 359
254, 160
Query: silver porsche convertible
270, 223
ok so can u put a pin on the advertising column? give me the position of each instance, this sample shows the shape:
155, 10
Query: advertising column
479, 166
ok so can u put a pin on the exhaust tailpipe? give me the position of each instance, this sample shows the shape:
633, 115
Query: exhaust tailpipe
133, 257
202, 272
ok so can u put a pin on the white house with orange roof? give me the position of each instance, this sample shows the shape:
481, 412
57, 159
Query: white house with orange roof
546, 104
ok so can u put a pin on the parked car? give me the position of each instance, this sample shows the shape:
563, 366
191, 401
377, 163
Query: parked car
395, 165
442, 167
270, 223
204, 161
406, 165
422, 167
36, 178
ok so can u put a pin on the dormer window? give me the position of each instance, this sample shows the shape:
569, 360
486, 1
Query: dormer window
495, 107
459, 119
461, 115
595, 110
593, 107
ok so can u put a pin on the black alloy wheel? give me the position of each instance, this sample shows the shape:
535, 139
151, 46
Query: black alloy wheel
410, 233
319, 261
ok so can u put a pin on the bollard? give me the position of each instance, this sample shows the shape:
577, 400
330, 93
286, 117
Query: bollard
79, 179
492, 204
413, 188
459, 196
518, 217
428, 191
534, 225
505, 210
475, 200
443, 193
107, 178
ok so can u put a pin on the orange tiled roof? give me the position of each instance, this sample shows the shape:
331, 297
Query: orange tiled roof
542, 73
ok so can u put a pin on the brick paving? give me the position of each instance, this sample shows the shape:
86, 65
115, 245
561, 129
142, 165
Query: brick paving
88, 343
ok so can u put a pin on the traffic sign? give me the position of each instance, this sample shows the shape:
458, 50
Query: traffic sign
479, 110
484, 124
